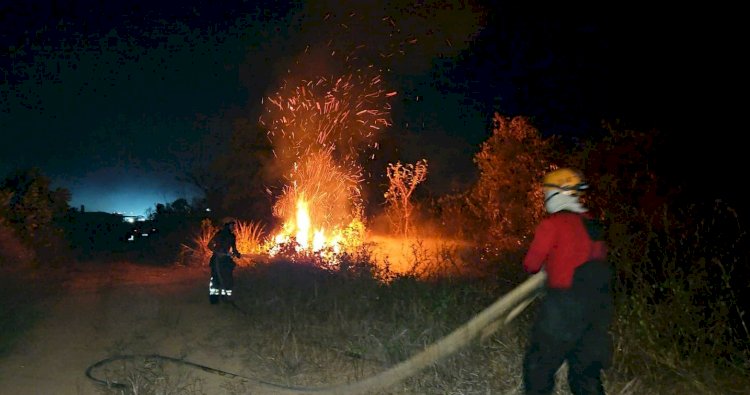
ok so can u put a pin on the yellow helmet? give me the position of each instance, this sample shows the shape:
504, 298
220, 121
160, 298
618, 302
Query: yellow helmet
565, 181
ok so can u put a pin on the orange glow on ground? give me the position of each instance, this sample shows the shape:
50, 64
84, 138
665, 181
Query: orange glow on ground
421, 256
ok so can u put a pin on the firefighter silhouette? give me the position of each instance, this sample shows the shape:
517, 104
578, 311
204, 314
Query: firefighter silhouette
223, 245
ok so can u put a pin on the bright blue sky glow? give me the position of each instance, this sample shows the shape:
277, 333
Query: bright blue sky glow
126, 193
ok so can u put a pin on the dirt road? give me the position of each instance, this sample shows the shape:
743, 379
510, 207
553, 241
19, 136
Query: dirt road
122, 309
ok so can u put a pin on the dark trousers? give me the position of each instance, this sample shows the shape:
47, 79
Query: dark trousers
572, 325
222, 282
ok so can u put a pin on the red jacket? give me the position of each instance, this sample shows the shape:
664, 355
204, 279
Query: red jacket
561, 244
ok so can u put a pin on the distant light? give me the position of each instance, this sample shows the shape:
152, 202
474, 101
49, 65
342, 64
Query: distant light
208, 209
129, 219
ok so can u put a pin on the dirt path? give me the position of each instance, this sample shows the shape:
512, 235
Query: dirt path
119, 309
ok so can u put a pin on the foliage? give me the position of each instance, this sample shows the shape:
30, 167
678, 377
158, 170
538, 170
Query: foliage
506, 201
679, 268
455, 216
32, 205
12, 249
622, 170
403, 179
679, 259
33, 210
680, 288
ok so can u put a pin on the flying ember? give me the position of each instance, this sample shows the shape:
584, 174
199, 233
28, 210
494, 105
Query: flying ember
321, 128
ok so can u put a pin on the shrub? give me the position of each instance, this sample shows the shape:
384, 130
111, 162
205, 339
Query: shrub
506, 199
29, 212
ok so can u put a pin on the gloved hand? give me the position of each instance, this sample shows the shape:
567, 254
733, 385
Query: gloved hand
237, 254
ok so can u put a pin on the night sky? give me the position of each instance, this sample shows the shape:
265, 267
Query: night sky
112, 101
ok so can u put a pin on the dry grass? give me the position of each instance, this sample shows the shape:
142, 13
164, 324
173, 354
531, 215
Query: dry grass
249, 241
311, 326
422, 256
250, 237
323, 328
151, 376
197, 253
680, 326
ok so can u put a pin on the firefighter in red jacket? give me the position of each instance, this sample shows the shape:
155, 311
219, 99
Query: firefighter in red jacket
223, 244
573, 320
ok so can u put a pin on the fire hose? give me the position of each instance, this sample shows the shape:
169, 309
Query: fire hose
484, 323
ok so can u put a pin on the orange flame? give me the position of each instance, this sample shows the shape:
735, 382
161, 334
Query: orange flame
311, 239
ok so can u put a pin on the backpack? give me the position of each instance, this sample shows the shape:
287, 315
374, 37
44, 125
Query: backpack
594, 277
